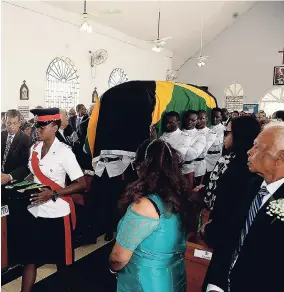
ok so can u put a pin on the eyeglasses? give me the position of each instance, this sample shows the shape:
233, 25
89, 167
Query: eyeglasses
226, 133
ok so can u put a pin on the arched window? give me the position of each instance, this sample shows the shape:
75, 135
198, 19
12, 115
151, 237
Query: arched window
234, 97
62, 84
273, 101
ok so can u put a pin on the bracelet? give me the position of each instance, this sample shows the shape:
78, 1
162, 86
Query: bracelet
113, 272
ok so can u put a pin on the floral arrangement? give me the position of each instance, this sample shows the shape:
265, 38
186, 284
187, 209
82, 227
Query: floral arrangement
276, 209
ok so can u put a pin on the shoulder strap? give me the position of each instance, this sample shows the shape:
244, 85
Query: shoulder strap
156, 207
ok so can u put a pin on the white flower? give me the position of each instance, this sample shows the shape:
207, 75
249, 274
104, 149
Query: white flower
276, 209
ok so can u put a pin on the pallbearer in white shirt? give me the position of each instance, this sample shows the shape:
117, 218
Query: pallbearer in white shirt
192, 144
215, 151
47, 236
200, 165
170, 128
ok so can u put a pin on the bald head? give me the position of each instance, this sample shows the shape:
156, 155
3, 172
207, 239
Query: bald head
267, 155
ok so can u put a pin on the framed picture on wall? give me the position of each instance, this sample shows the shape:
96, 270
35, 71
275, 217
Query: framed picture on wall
278, 76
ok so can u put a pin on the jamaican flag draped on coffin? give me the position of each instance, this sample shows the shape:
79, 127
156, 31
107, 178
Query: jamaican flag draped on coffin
122, 116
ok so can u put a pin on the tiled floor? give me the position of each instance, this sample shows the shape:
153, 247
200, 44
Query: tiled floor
47, 270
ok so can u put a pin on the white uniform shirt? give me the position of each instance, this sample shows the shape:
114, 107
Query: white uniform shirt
200, 166
191, 146
272, 188
211, 159
113, 168
58, 161
173, 138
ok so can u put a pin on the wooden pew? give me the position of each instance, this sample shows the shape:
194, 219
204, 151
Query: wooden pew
196, 267
4, 246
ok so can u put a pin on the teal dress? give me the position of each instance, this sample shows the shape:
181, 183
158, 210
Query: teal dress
157, 263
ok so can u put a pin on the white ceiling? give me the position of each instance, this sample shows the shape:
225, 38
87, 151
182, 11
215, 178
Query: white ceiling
180, 20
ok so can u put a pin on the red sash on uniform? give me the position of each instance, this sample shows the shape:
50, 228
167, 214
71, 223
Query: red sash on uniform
54, 186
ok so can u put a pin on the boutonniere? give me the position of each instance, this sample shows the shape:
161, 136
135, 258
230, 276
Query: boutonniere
276, 209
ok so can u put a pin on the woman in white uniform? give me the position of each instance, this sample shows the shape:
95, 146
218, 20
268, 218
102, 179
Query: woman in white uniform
47, 236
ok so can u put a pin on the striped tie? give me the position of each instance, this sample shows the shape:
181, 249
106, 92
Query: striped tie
7, 148
254, 208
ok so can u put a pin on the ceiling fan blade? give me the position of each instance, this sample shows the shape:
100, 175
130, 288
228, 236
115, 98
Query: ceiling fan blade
166, 38
105, 12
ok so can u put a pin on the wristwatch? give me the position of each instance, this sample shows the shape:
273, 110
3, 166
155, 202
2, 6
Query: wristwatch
55, 196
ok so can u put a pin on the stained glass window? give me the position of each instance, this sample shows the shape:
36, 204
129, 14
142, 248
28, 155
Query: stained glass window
62, 84
273, 101
234, 97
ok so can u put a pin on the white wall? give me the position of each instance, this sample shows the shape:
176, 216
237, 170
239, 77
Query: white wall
30, 41
246, 53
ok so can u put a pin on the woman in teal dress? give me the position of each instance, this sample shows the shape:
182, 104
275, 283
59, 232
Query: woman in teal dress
149, 251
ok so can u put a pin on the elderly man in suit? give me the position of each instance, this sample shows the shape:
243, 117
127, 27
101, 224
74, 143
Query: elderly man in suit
253, 259
15, 147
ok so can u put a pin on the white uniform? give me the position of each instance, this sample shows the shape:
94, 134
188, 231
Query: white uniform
215, 151
191, 146
114, 161
200, 166
173, 138
58, 161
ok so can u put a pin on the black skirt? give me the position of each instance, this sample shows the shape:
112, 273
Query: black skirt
41, 241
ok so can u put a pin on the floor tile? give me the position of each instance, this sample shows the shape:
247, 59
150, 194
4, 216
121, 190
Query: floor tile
46, 271
14, 286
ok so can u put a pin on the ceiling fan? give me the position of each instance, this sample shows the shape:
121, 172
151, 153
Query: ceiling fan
159, 43
85, 26
201, 60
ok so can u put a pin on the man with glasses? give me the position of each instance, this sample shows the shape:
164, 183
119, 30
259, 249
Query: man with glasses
15, 147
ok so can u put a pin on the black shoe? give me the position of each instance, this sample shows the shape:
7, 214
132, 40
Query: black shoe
109, 236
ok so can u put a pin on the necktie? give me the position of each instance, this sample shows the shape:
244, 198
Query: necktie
254, 208
7, 148
78, 121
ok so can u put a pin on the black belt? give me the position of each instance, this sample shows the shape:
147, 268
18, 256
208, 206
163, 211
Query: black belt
197, 159
108, 159
213, 152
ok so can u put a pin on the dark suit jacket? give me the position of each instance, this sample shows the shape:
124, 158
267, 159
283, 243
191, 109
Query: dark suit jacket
18, 155
82, 128
82, 158
257, 268
67, 132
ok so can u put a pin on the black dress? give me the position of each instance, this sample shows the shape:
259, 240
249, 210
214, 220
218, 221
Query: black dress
231, 192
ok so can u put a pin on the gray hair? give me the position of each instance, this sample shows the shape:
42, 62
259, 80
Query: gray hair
278, 126
13, 113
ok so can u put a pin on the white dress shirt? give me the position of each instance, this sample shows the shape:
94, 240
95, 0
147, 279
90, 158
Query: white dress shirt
172, 138
200, 166
211, 159
58, 161
191, 146
272, 188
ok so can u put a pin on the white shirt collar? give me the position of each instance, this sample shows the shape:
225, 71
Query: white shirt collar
273, 187
190, 131
218, 126
173, 133
39, 146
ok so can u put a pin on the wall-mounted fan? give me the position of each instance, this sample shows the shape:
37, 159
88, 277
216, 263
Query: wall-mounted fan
97, 58
171, 75
117, 76
159, 43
